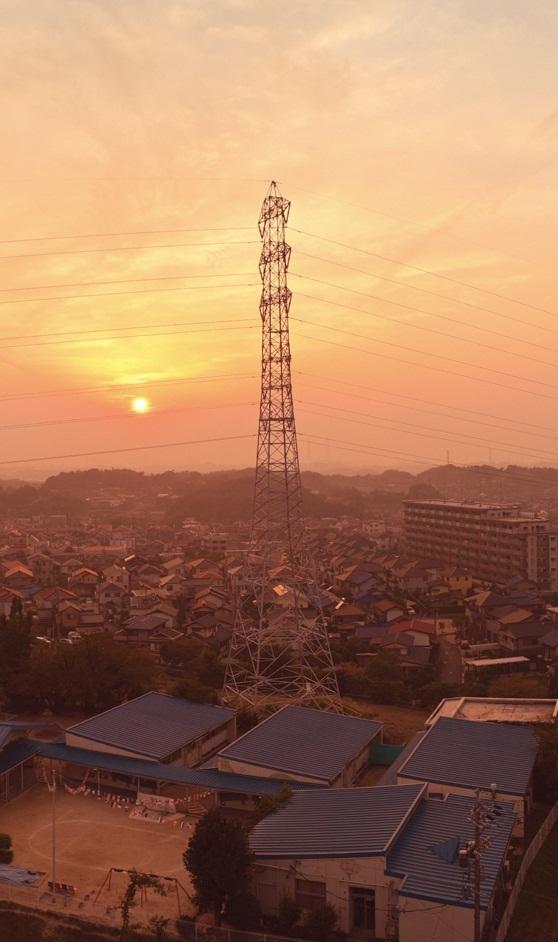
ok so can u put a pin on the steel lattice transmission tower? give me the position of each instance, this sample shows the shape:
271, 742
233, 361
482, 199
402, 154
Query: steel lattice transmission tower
280, 650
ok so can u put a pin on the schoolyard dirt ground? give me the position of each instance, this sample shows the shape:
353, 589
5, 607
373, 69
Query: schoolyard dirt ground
92, 837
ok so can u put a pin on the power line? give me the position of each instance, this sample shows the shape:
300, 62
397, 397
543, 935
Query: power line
476, 441
430, 461
445, 415
79, 340
436, 356
118, 451
444, 297
116, 294
426, 366
125, 387
97, 330
127, 248
426, 271
128, 232
123, 281
431, 402
428, 330
155, 414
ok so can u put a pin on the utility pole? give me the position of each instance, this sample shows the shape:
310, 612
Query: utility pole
483, 817
52, 790
280, 651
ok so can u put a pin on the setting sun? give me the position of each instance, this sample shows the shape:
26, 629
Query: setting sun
141, 405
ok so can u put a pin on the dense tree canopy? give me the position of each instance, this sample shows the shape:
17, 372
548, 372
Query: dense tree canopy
90, 676
218, 859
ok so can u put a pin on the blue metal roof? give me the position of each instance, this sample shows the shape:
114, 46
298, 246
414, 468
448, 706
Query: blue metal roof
10, 728
426, 852
470, 754
153, 725
390, 775
335, 822
221, 781
16, 753
304, 741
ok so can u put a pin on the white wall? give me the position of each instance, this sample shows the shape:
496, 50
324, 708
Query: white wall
426, 921
273, 878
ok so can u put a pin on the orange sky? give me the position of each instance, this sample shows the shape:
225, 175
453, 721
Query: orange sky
423, 132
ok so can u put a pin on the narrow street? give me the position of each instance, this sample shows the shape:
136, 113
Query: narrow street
451, 663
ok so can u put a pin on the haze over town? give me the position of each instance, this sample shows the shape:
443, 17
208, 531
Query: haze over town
279, 471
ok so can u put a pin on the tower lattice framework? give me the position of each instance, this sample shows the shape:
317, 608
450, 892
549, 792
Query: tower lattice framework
280, 650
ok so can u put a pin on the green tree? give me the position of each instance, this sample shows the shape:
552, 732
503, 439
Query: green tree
158, 925
269, 804
546, 765
517, 685
136, 881
6, 852
93, 675
15, 646
288, 913
218, 859
201, 668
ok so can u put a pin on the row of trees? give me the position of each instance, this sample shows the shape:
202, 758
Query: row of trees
384, 680
98, 672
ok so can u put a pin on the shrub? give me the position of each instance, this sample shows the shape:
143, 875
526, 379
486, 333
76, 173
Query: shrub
321, 922
288, 913
6, 852
243, 912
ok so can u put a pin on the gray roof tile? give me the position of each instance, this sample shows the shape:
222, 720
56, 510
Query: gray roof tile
423, 856
335, 822
153, 725
470, 754
304, 741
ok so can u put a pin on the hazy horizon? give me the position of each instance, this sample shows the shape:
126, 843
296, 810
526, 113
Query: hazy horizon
400, 130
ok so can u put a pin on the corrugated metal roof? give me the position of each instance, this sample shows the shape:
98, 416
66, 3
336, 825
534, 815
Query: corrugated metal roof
16, 753
422, 853
153, 725
335, 822
304, 741
390, 775
474, 755
221, 781
9, 728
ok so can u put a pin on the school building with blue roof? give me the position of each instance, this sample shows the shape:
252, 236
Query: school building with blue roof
382, 856
458, 756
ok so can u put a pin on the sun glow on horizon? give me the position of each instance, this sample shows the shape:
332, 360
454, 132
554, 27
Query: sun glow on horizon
140, 405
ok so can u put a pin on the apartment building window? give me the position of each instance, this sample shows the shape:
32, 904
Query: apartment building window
310, 894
